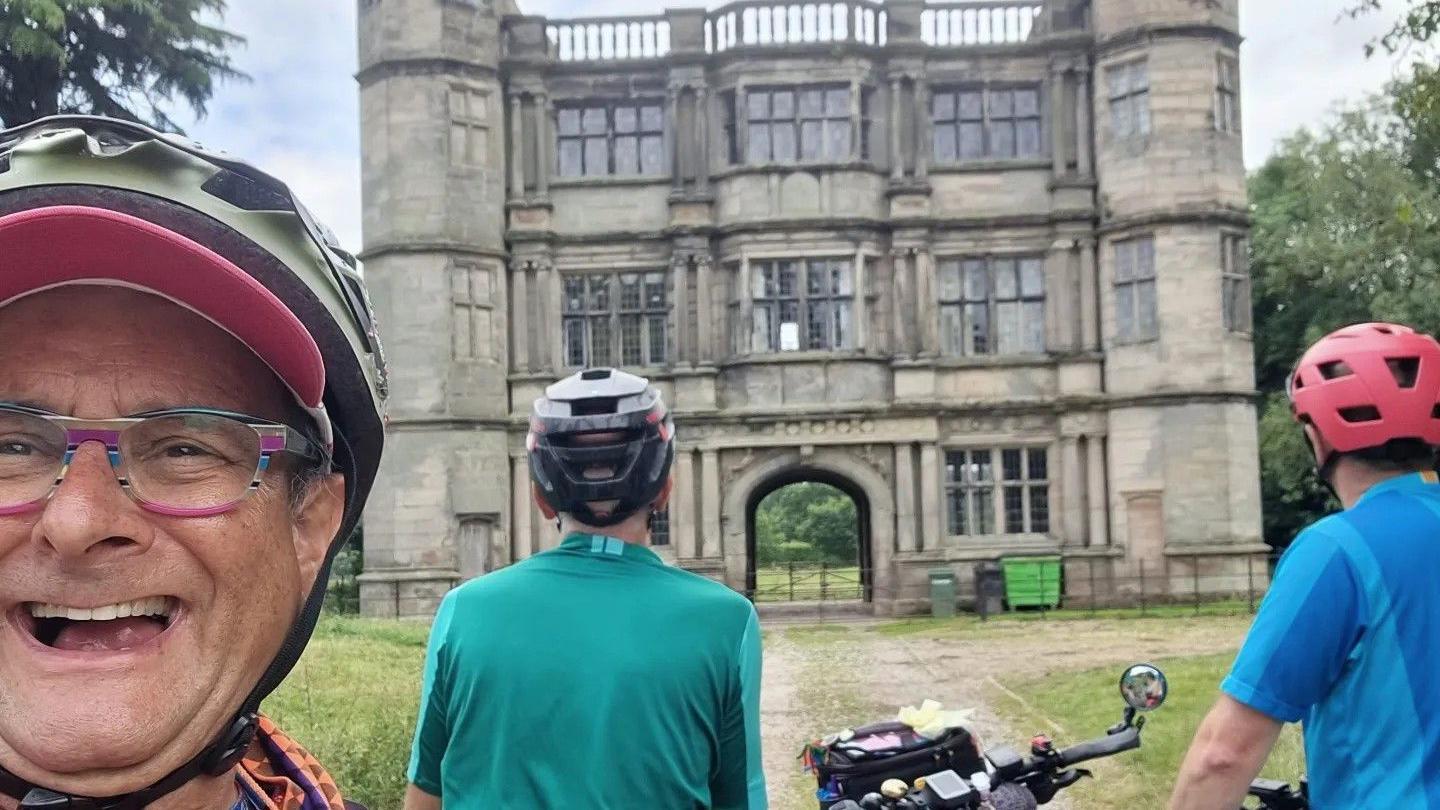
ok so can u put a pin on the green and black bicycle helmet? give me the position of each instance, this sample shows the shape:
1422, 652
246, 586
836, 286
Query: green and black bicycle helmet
629, 465
91, 200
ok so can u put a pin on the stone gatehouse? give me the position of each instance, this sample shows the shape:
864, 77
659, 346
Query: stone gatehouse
980, 264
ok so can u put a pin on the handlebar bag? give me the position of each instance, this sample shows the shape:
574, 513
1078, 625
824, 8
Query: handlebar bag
891, 750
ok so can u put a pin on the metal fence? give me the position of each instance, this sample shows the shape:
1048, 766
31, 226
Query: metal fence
1197, 584
807, 582
1097, 587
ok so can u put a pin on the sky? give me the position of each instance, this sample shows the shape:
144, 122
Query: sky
298, 117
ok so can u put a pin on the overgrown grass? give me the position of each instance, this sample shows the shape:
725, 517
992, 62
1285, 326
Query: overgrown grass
1084, 704
352, 702
776, 584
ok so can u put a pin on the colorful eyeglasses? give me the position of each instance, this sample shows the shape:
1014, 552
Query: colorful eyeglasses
185, 462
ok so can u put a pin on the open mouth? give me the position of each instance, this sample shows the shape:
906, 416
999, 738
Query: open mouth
108, 628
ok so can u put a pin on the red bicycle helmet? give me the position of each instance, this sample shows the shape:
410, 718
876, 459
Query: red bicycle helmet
1369, 384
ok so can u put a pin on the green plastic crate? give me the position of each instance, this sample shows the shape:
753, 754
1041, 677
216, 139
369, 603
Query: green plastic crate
1032, 581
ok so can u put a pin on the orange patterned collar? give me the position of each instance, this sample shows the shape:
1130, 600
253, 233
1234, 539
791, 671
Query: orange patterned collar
284, 776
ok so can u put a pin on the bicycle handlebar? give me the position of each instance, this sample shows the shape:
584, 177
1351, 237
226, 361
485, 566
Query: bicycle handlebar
1126, 740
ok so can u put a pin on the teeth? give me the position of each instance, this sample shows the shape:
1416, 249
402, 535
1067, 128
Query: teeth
152, 606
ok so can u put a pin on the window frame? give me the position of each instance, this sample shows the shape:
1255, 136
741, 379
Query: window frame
468, 122
1235, 275
992, 301
987, 122
612, 135
1136, 281
1227, 94
1135, 100
992, 491
615, 315
856, 119
771, 298
467, 303
660, 527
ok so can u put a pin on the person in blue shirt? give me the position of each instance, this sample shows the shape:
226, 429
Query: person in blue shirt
593, 674
1347, 641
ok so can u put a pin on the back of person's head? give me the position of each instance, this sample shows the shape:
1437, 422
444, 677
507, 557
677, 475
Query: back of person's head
1370, 393
601, 445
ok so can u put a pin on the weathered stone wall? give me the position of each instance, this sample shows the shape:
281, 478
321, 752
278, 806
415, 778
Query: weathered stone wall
1150, 446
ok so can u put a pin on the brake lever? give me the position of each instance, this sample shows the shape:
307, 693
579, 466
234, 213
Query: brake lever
1065, 779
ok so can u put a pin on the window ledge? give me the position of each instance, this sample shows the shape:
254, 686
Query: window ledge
1001, 165
766, 358
610, 180
1025, 540
987, 361
790, 168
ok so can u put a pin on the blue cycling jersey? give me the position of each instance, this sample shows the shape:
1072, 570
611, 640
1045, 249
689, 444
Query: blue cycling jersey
1348, 642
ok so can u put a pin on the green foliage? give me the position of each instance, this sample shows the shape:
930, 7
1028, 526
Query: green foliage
1346, 230
352, 701
123, 58
806, 522
1085, 703
1418, 24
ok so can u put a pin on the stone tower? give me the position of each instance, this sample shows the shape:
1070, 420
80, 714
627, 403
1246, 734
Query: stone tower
1175, 324
433, 183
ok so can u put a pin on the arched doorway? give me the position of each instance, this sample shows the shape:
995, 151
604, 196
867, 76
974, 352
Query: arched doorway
824, 570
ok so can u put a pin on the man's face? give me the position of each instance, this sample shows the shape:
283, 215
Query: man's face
112, 714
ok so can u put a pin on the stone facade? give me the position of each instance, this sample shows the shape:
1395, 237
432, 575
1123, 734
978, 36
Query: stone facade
976, 263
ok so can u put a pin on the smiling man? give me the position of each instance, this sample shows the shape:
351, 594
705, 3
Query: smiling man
190, 421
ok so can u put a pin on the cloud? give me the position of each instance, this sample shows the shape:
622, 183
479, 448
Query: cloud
1297, 67
299, 117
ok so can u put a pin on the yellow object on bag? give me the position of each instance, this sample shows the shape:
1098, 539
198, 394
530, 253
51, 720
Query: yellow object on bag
932, 719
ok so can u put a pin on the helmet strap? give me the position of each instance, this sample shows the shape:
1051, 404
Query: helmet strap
226, 750
1325, 470
216, 759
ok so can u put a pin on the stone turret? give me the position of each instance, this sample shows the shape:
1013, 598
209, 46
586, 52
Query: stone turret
433, 176
1175, 291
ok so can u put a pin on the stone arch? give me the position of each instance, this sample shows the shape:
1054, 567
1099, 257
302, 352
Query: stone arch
841, 466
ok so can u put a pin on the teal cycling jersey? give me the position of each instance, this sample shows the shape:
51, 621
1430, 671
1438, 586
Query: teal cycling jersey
592, 675
1348, 641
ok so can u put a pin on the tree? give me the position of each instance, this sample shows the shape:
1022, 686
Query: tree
1346, 229
123, 58
1417, 26
806, 522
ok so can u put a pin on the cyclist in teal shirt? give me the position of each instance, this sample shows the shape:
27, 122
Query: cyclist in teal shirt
593, 675
1348, 639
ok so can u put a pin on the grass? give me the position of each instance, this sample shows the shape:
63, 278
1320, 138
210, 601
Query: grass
774, 584
1086, 703
825, 702
968, 623
352, 702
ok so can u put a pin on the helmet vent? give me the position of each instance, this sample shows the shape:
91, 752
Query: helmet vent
1334, 370
1405, 369
595, 374
1435, 411
4, 163
244, 193
1363, 413
594, 407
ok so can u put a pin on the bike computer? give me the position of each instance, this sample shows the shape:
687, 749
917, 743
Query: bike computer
947, 791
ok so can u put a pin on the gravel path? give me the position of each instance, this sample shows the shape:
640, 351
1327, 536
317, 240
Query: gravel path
823, 678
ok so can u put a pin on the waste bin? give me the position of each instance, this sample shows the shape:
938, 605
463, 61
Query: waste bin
942, 593
1032, 581
989, 588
